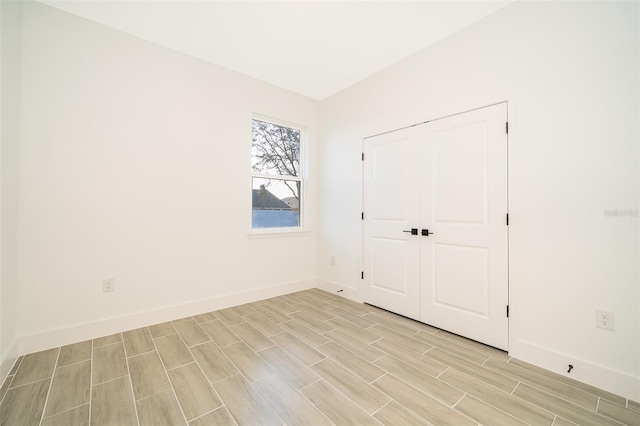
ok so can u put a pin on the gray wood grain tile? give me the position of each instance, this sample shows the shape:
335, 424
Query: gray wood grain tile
291, 370
191, 333
484, 413
292, 298
250, 364
35, 367
473, 345
70, 387
561, 407
245, 404
78, 416
568, 393
559, 421
354, 388
368, 355
270, 312
219, 333
173, 351
162, 329
306, 300
401, 339
500, 381
303, 333
420, 380
24, 405
74, 353
394, 414
311, 321
214, 363
291, 406
504, 401
410, 357
314, 311
112, 404
251, 336
137, 342
282, 306
335, 406
109, 363
244, 309
419, 403
148, 376
195, 394
160, 410
616, 412
348, 305
207, 316
452, 347
359, 348
358, 320
358, 366
219, 417
401, 325
264, 324
357, 332
229, 317
107, 340
299, 349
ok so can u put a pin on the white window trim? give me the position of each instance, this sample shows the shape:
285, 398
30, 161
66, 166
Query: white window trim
289, 230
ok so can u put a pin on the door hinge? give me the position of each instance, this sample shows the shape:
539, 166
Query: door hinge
362, 215
507, 219
506, 125
363, 156
507, 311
362, 275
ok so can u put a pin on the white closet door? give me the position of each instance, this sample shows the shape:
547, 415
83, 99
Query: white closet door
391, 255
464, 264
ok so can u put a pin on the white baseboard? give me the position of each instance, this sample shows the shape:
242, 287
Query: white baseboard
616, 382
78, 333
348, 292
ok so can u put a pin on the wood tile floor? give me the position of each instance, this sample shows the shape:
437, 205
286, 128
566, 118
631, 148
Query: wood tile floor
307, 358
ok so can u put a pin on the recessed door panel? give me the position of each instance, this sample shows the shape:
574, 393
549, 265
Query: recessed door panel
390, 178
391, 274
461, 288
460, 174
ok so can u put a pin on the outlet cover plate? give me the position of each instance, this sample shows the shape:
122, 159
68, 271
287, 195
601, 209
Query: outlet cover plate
604, 320
108, 285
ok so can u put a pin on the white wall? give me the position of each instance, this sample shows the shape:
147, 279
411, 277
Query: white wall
135, 165
570, 72
10, 41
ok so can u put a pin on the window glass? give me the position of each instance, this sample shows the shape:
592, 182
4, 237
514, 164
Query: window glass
276, 175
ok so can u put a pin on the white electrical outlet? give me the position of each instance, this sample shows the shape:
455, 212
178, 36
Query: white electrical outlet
604, 320
108, 285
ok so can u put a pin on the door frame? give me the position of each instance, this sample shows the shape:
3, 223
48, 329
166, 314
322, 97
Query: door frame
512, 184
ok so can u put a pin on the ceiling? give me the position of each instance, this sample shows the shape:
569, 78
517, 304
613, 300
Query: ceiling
315, 48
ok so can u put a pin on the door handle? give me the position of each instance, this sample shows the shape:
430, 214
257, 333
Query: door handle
414, 231
426, 233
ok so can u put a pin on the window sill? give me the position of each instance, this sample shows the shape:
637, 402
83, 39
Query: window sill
278, 232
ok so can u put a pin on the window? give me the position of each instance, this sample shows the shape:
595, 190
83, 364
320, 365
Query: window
277, 178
